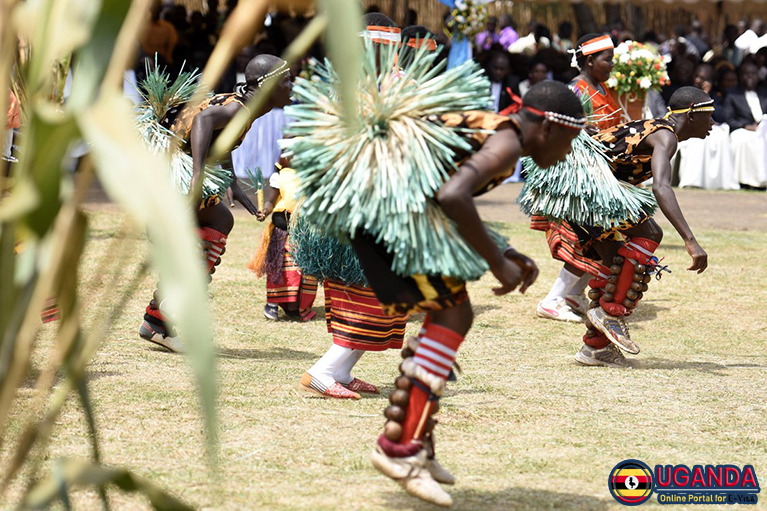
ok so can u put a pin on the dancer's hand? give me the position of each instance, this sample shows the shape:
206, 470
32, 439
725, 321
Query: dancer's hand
262, 214
230, 197
528, 266
699, 256
242, 198
509, 274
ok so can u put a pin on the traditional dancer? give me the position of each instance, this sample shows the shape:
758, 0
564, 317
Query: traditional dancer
198, 130
286, 286
352, 311
640, 150
412, 218
593, 56
356, 322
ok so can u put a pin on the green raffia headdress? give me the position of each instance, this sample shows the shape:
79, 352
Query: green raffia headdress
323, 257
161, 97
582, 188
382, 174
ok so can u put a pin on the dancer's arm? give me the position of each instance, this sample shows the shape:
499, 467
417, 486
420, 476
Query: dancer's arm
203, 126
663, 144
270, 198
242, 197
499, 153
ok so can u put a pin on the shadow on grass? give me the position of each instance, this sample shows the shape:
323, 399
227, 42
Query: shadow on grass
704, 367
272, 354
507, 499
479, 310
34, 373
646, 312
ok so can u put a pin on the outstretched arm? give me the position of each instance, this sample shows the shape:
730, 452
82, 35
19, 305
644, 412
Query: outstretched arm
499, 152
664, 145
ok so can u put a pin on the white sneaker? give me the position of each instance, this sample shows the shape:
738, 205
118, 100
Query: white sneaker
411, 473
159, 336
558, 311
614, 328
609, 356
438, 472
578, 303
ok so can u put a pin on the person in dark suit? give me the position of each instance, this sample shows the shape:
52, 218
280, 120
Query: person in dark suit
745, 105
744, 108
501, 79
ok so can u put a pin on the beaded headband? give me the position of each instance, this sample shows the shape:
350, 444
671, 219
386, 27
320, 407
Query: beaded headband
562, 119
703, 106
556, 117
381, 35
280, 70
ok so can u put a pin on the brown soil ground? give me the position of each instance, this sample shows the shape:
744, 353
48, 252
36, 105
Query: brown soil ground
704, 209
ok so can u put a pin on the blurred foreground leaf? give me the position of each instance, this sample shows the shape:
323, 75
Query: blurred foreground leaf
345, 50
70, 472
139, 182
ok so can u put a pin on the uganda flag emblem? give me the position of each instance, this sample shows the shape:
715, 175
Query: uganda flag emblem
630, 482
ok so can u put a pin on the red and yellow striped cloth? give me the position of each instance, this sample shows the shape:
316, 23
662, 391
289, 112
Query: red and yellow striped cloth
564, 244
356, 320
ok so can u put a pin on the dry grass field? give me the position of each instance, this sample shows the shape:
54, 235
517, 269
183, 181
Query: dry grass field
524, 427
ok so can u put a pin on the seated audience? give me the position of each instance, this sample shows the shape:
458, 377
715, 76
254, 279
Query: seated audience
744, 109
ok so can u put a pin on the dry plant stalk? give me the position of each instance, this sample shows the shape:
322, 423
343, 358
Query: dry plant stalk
43, 226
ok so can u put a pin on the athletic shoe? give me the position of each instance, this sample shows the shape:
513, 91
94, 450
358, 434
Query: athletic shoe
614, 328
558, 311
336, 391
411, 473
578, 303
438, 472
609, 356
357, 385
158, 335
272, 311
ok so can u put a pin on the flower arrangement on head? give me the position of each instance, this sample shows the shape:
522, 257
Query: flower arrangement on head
468, 18
638, 69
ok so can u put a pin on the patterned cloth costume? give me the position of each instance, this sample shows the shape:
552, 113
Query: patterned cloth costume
285, 283
562, 241
565, 301
353, 314
619, 288
620, 145
356, 321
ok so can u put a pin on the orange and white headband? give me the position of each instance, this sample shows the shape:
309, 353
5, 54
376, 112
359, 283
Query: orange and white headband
430, 44
381, 35
591, 47
596, 45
